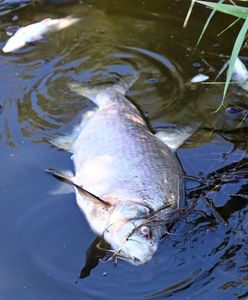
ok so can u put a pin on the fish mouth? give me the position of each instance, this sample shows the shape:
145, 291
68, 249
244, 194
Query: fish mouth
136, 261
131, 259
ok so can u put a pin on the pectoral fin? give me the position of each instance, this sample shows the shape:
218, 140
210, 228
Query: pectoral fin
63, 176
174, 137
66, 142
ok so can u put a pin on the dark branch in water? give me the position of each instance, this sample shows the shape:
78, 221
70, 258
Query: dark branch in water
213, 182
228, 174
240, 195
211, 203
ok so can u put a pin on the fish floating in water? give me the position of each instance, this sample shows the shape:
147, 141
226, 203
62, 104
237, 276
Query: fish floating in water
35, 32
199, 78
240, 74
127, 180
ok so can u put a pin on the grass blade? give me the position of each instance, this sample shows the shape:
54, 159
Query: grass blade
206, 24
233, 10
189, 13
222, 70
235, 52
228, 27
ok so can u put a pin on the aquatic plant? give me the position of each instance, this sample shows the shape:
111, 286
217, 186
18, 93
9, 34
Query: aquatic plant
240, 13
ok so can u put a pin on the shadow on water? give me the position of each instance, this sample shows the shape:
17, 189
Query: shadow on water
43, 235
94, 254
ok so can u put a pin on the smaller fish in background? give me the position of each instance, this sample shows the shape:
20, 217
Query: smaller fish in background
240, 74
199, 78
35, 32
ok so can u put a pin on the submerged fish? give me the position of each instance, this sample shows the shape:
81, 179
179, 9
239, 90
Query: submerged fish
127, 180
35, 32
240, 74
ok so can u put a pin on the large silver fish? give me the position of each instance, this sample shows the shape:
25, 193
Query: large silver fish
127, 179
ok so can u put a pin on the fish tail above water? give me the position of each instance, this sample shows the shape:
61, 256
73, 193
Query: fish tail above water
93, 92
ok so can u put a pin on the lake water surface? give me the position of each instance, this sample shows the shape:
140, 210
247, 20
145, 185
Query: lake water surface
43, 237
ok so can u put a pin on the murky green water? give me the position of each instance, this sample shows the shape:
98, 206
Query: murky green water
44, 238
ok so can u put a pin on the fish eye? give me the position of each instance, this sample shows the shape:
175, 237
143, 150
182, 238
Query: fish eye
145, 231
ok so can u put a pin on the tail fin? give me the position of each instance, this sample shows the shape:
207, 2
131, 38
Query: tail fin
92, 92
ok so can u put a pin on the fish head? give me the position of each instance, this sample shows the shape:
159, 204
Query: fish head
14, 43
131, 235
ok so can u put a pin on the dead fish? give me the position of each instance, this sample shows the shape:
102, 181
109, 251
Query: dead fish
127, 180
199, 78
35, 32
240, 74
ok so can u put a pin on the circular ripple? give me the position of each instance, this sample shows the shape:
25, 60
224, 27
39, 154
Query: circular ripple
48, 105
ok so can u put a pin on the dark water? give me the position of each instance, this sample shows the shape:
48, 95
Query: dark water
44, 238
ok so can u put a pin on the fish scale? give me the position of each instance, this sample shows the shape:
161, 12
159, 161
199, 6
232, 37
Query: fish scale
139, 160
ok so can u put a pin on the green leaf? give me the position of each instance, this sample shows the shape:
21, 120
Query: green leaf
207, 23
235, 52
233, 23
233, 10
189, 13
222, 70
